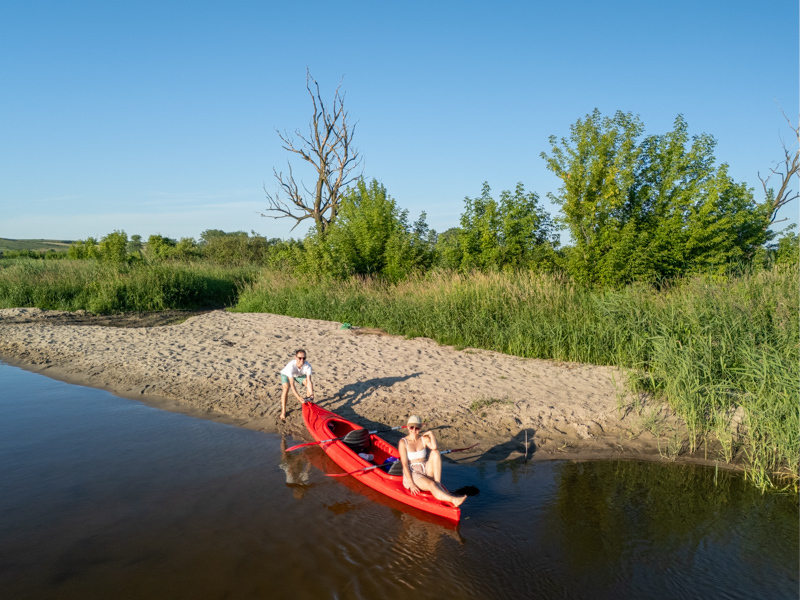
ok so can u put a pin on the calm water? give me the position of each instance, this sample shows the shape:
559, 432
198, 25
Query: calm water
102, 497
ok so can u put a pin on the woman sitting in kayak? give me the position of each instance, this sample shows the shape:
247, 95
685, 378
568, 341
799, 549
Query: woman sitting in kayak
422, 463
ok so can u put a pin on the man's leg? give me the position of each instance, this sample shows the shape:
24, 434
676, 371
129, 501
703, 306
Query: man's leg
284, 395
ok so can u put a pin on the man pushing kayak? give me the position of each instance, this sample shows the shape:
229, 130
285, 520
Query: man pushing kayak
297, 371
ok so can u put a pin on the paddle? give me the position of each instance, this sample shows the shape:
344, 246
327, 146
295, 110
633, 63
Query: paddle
390, 464
341, 438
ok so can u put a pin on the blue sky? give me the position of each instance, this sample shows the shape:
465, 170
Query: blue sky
160, 117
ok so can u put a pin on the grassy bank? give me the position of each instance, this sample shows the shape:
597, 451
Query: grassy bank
723, 352
107, 288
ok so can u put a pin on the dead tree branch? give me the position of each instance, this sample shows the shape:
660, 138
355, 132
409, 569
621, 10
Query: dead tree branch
328, 149
784, 170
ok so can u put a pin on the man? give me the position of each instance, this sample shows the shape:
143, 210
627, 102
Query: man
297, 371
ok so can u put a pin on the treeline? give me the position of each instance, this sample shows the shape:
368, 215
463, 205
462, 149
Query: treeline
372, 236
639, 208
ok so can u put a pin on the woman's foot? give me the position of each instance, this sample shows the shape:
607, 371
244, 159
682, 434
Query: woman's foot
459, 501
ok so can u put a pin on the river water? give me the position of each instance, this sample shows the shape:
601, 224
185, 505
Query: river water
102, 497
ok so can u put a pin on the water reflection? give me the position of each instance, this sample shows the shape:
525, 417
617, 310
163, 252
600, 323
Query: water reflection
297, 470
101, 497
647, 518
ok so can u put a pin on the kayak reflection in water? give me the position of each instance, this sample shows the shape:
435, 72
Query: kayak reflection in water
297, 471
422, 463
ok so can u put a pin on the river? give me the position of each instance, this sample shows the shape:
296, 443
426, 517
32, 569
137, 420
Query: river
103, 497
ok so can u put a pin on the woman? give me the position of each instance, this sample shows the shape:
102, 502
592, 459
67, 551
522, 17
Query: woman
422, 463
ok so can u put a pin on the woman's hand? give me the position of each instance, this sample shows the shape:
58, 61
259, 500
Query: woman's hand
431, 440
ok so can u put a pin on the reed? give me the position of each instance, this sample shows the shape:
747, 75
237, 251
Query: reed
105, 288
722, 351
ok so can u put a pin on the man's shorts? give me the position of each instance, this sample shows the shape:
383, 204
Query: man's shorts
301, 380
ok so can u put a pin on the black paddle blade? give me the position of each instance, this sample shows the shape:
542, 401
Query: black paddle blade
467, 490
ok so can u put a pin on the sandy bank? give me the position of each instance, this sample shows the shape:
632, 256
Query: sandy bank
225, 366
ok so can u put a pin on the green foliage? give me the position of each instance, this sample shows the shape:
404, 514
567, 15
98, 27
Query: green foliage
113, 247
135, 246
371, 236
84, 250
448, 253
104, 287
185, 249
159, 247
235, 248
37, 245
787, 251
50, 254
513, 233
651, 209
711, 345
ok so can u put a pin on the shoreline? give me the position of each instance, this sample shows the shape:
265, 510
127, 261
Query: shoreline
223, 367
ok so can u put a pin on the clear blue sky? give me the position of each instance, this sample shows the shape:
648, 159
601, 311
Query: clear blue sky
160, 117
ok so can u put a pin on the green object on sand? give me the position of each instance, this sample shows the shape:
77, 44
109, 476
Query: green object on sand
346, 326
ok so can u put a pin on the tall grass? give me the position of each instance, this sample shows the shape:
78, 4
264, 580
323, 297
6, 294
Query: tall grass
106, 288
724, 352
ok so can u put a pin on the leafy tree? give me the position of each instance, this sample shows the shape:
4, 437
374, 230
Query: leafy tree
371, 237
186, 249
235, 248
135, 245
512, 233
448, 253
83, 250
646, 209
114, 247
787, 251
159, 247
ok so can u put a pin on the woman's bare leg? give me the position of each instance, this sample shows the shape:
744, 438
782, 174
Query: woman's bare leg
429, 485
434, 466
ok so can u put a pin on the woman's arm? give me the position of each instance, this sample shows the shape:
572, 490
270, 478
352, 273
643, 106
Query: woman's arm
429, 440
408, 480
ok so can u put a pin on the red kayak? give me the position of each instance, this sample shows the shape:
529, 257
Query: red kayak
324, 425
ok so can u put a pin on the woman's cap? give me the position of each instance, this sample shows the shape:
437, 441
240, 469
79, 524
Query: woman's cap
414, 420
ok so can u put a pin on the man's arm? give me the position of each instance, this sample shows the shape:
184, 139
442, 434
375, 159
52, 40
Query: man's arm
293, 387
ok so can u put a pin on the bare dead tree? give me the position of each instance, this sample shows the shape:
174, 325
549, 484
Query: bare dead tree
784, 170
328, 148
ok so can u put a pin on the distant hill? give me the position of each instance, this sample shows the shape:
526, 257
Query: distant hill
8, 244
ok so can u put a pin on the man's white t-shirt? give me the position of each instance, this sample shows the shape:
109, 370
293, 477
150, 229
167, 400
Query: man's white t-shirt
292, 371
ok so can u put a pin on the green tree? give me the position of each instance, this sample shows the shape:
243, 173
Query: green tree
371, 236
84, 250
651, 208
235, 248
448, 253
114, 247
787, 251
512, 233
135, 245
159, 247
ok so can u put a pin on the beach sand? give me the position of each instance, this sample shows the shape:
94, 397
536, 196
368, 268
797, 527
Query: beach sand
225, 366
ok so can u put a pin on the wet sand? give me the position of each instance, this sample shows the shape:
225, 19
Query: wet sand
225, 366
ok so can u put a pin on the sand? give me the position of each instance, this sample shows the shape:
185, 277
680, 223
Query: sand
225, 366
